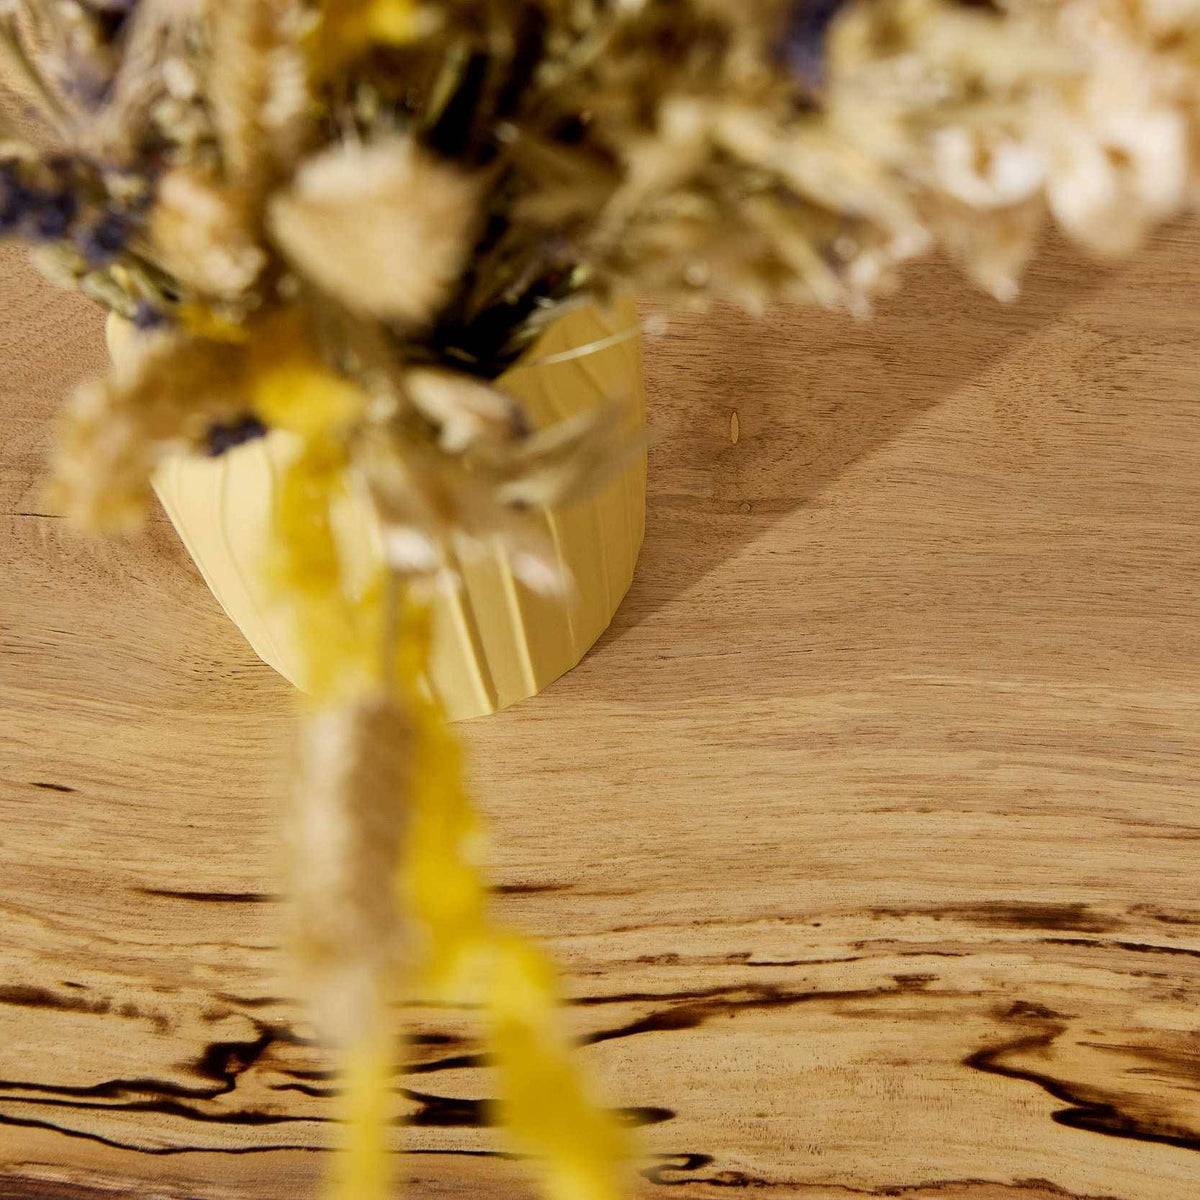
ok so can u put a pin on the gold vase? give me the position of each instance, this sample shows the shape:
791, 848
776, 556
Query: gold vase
494, 641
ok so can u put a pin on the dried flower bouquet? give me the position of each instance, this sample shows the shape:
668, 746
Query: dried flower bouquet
347, 218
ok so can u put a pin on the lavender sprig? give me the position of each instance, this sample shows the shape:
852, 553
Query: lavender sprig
67, 198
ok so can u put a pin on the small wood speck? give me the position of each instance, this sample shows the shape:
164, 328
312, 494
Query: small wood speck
745, 506
734, 428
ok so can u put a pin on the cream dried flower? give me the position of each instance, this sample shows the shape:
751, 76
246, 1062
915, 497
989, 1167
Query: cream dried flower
346, 836
383, 228
203, 235
115, 431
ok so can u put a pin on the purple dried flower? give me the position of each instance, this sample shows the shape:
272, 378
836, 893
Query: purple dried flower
107, 237
14, 198
70, 198
225, 437
802, 47
53, 215
90, 91
37, 200
147, 317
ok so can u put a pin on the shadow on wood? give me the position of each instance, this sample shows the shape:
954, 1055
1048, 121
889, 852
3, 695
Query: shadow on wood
739, 440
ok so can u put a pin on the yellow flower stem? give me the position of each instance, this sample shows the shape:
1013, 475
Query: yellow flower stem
363, 1169
355, 649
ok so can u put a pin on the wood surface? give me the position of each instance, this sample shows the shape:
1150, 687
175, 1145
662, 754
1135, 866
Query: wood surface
868, 838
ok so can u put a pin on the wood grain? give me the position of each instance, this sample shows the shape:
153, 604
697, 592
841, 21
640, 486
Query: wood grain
868, 837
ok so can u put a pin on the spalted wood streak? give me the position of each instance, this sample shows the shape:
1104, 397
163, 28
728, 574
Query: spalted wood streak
1090, 1113
1133, 947
1015, 914
210, 897
250, 1001
21, 995
29, 996
157, 1151
695, 1008
687, 1165
220, 1062
691, 1016
224, 1062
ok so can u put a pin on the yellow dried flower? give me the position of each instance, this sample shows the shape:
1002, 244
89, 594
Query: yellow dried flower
350, 796
347, 27
341, 635
304, 398
209, 324
576, 1146
543, 1103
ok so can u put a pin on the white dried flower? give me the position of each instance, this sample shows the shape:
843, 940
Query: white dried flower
464, 410
986, 177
